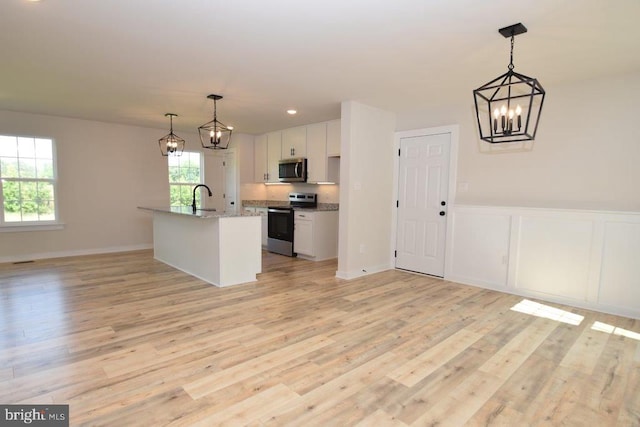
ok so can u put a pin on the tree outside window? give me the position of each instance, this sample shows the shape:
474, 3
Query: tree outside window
28, 180
185, 172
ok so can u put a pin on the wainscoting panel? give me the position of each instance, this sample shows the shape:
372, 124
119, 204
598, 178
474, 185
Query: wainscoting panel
480, 247
553, 256
588, 259
620, 273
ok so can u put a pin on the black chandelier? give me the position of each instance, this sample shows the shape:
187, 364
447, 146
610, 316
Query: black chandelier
508, 108
214, 134
171, 144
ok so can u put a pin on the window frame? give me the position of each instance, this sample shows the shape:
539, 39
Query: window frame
189, 185
37, 225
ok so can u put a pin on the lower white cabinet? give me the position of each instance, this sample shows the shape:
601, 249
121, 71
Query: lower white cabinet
265, 225
303, 234
316, 234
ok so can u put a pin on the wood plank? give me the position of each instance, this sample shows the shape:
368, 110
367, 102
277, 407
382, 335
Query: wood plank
411, 372
128, 337
218, 380
380, 418
585, 352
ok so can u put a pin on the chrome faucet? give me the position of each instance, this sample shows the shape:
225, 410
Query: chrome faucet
193, 204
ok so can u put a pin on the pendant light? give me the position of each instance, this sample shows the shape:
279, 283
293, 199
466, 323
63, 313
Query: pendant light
508, 107
215, 135
171, 144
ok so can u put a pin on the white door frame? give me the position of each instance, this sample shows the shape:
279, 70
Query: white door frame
454, 131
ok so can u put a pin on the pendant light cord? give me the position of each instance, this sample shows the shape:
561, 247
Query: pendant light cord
511, 57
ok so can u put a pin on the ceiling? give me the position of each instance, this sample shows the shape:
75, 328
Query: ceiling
132, 61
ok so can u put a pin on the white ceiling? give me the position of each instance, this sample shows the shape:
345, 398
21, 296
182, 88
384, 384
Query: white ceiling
131, 61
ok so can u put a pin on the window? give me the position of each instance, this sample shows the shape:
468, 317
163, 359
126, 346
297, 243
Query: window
28, 180
185, 172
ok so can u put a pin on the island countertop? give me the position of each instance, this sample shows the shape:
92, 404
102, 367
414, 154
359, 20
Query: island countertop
200, 213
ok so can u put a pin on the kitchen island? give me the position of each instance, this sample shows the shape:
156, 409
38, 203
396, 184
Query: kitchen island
223, 249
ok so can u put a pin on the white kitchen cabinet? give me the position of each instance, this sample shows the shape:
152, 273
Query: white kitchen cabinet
333, 138
265, 225
303, 234
317, 152
316, 234
260, 165
294, 142
274, 147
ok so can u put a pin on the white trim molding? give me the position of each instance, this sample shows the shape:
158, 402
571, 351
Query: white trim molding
81, 252
586, 259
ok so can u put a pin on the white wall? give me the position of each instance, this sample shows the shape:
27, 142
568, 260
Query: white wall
366, 181
105, 171
584, 157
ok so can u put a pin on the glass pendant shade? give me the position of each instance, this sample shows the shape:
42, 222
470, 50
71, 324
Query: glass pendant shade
171, 144
214, 134
508, 107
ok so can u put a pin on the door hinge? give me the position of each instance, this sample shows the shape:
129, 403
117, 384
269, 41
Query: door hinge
224, 163
398, 152
395, 254
224, 196
397, 203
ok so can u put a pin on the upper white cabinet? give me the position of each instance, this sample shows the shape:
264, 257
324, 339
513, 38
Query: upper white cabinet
274, 147
333, 138
260, 168
318, 142
317, 152
294, 142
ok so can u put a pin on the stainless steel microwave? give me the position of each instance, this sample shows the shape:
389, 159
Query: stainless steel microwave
292, 170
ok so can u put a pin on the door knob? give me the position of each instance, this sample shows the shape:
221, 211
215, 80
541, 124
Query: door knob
441, 213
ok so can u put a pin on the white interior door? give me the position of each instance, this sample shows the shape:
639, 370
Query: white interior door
422, 203
214, 176
230, 192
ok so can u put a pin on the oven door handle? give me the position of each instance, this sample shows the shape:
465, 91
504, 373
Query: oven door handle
274, 210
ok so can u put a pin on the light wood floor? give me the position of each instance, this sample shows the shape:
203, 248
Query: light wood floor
126, 340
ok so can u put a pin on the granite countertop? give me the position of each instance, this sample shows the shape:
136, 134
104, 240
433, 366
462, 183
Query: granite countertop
267, 203
187, 210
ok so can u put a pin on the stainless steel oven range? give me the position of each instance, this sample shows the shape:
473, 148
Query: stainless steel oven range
280, 222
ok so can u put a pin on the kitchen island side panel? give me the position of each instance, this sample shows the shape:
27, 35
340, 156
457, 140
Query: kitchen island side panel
189, 244
240, 249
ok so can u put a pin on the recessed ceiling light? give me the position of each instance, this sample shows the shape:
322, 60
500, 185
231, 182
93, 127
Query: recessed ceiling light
291, 112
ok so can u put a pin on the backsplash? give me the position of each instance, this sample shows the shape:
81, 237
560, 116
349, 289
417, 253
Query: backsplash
326, 193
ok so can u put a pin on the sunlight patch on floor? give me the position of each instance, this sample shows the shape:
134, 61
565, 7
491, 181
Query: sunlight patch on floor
541, 310
610, 329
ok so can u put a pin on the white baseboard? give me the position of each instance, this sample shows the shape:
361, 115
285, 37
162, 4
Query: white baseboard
79, 252
354, 274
